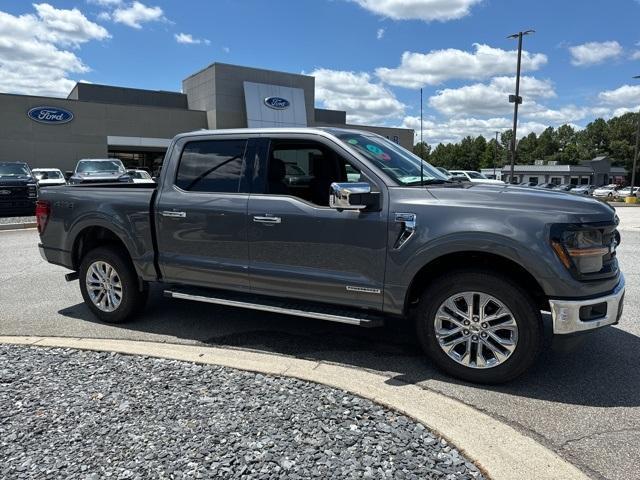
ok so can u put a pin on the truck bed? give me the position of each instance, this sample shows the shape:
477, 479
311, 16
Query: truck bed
122, 208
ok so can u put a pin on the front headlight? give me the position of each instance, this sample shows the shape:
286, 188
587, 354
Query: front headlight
32, 190
583, 249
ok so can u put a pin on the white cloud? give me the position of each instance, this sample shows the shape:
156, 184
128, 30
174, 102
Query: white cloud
380, 33
592, 53
427, 10
490, 99
363, 100
624, 96
454, 130
419, 69
106, 3
136, 14
635, 55
187, 38
32, 55
68, 27
226, 49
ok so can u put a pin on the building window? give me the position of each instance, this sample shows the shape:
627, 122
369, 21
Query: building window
556, 180
584, 180
574, 180
396, 139
533, 180
211, 166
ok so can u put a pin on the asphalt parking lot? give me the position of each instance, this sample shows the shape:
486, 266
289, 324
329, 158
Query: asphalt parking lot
582, 399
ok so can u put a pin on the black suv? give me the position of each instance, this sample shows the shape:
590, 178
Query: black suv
18, 189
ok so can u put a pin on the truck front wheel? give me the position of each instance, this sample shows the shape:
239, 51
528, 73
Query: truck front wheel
478, 326
109, 285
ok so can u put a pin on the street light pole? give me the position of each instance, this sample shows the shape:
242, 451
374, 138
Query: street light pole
516, 100
635, 153
495, 157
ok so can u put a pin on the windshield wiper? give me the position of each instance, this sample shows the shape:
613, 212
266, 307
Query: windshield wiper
428, 181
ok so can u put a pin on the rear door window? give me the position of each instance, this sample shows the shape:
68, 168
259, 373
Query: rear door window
211, 166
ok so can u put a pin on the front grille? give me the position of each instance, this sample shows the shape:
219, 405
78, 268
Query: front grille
14, 192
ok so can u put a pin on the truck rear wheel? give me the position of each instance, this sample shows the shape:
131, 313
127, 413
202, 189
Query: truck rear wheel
109, 285
479, 326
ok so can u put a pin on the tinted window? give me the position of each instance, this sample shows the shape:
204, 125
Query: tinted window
211, 166
90, 166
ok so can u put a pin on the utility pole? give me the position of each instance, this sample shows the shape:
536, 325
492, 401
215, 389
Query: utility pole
635, 153
421, 144
495, 157
516, 100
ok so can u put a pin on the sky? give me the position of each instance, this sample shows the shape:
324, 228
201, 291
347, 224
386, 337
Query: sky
369, 57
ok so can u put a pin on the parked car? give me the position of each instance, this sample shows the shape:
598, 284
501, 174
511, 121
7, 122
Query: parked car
584, 189
549, 186
18, 189
49, 176
140, 176
475, 177
473, 265
607, 191
626, 192
451, 176
565, 187
528, 184
98, 170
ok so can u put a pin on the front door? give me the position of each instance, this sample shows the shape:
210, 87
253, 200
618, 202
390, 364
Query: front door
298, 246
201, 214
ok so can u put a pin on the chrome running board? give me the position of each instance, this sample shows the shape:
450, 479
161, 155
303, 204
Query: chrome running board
273, 305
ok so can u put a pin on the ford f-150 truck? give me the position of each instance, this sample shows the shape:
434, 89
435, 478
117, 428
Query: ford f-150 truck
366, 233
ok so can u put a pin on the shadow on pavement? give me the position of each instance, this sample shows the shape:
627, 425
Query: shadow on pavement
597, 369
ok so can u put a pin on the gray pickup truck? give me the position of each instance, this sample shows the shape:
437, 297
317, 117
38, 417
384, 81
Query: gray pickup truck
345, 226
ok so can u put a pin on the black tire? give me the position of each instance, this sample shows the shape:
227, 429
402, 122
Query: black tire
133, 298
525, 313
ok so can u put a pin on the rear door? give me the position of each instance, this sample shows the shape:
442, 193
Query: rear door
298, 246
201, 213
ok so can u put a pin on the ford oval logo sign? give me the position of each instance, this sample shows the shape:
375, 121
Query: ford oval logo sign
50, 115
276, 103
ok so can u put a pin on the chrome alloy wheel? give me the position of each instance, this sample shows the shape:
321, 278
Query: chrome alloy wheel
104, 286
476, 330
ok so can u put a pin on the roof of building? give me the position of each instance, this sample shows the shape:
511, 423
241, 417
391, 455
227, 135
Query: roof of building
549, 168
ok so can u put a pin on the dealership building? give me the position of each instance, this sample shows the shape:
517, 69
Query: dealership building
598, 171
101, 121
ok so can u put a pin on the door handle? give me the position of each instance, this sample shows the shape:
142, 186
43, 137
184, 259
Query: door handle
267, 219
173, 214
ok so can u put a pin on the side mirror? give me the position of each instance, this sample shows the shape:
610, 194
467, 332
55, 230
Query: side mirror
352, 196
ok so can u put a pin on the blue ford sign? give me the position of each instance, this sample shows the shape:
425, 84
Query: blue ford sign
50, 115
276, 103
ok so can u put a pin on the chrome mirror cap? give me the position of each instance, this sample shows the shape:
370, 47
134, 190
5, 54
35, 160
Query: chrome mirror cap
340, 197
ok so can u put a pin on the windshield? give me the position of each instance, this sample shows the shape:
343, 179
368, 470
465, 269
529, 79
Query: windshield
91, 166
47, 175
140, 175
400, 164
14, 170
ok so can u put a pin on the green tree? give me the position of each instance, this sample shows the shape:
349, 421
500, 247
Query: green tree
422, 149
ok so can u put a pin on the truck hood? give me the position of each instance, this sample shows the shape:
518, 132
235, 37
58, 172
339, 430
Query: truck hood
574, 208
97, 176
16, 181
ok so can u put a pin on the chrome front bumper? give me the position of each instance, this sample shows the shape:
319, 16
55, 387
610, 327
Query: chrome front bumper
566, 313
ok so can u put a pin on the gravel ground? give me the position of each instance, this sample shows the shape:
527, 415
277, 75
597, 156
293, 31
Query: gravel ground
5, 220
90, 415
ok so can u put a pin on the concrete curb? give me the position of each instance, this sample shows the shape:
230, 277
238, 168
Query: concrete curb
17, 226
498, 449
